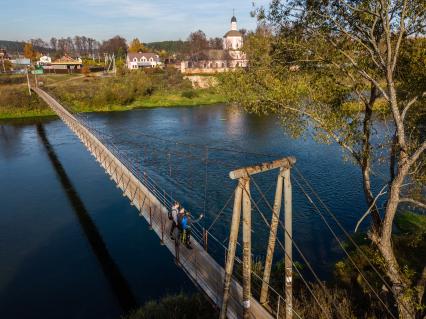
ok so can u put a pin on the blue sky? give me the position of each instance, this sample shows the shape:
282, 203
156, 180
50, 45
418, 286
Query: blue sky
149, 20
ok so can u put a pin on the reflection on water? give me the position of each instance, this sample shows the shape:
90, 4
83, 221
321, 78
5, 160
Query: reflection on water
47, 266
118, 283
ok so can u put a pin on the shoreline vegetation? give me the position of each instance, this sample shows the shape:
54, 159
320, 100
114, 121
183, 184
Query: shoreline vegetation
409, 237
127, 91
97, 93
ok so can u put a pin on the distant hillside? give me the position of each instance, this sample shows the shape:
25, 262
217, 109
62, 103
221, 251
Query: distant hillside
169, 46
12, 47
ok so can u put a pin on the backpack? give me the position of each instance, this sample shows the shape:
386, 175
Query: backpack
170, 213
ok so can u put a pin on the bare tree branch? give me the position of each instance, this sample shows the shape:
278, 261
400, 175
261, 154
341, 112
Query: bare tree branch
412, 201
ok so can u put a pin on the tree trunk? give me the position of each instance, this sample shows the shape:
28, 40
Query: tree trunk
402, 293
366, 160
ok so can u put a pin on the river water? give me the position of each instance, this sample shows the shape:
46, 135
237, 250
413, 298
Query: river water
72, 247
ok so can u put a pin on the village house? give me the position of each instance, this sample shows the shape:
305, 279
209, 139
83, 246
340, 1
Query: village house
65, 64
44, 60
140, 60
213, 61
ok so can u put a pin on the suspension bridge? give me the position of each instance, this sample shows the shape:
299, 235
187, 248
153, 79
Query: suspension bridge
231, 289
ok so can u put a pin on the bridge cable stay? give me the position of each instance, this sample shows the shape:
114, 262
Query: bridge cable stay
232, 151
328, 210
370, 286
167, 204
342, 228
298, 250
308, 288
340, 244
349, 237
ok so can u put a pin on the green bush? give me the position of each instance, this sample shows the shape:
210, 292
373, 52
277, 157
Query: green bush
176, 307
189, 94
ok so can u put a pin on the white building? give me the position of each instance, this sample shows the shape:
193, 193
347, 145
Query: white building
231, 57
142, 60
45, 59
233, 39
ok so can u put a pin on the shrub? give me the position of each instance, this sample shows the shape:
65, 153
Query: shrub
85, 70
189, 94
176, 307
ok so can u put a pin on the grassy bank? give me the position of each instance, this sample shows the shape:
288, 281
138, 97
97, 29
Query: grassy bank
126, 91
15, 102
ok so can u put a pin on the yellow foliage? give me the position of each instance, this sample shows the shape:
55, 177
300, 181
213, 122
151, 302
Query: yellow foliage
136, 46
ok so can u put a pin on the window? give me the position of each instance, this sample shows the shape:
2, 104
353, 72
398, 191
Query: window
151, 59
135, 60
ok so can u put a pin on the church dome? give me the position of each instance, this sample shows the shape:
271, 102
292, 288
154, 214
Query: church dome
233, 19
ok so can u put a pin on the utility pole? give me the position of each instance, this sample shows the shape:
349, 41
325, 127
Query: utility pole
35, 78
114, 67
28, 82
242, 199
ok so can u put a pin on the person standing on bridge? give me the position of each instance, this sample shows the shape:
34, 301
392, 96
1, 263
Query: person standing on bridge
185, 224
174, 217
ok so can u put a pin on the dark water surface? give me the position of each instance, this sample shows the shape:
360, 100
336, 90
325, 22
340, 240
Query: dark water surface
72, 247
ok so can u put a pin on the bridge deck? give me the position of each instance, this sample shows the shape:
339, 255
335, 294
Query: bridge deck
201, 268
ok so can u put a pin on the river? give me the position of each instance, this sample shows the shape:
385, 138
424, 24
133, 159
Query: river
72, 247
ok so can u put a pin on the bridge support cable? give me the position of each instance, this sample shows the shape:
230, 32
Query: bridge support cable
348, 236
369, 285
336, 237
288, 256
242, 200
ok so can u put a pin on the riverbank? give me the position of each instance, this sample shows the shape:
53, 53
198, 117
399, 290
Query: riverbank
135, 90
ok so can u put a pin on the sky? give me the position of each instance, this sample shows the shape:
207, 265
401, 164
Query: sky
148, 20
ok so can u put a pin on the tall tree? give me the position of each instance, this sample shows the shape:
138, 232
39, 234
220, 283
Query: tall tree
116, 45
54, 43
29, 52
136, 46
347, 49
216, 43
197, 41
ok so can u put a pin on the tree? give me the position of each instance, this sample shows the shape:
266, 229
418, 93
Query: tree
54, 44
348, 49
29, 52
116, 45
197, 41
136, 46
39, 44
216, 43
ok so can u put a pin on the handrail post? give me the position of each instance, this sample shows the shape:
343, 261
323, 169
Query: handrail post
230, 256
246, 248
288, 261
272, 239
205, 238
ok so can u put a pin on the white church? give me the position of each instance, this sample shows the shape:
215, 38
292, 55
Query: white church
213, 61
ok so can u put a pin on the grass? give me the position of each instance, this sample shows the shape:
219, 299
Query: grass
128, 91
15, 102
204, 97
